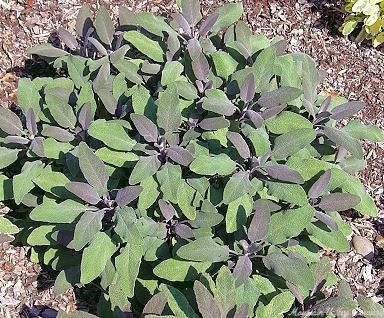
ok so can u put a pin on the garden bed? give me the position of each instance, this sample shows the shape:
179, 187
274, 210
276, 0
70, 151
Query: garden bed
353, 71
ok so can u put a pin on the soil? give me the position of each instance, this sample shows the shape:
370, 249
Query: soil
355, 71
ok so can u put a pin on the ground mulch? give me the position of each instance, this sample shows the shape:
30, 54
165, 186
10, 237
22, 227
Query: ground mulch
310, 26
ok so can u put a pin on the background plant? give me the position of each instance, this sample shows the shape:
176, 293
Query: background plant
367, 16
184, 161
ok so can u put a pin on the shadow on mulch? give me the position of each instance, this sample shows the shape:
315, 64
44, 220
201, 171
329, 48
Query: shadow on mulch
85, 298
378, 225
36, 66
331, 16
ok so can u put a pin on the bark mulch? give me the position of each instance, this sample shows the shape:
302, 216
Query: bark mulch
310, 26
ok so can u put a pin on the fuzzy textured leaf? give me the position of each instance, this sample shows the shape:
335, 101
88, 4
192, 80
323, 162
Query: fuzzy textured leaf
177, 302
168, 110
204, 249
208, 307
338, 201
211, 165
342, 138
87, 226
177, 270
10, 123
240, 144
291, 142
293, 269
93, 169
228, 14
145, 45
95, 257
237, 186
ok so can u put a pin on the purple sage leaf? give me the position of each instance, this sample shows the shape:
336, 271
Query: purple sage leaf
284, 173
58, 133
346, 110
327, 220
31, 122
156, 305
146, 128
191, 11
268, 113
208, 23
325, 104
182, 22
240, 144
84, 191
85, 115
194, 48
338, 201
320, 185
104, 26
16, 140
184, 231
208, 306
200, 67
242, 270
258, 228
128, 194
255, 118
84, 21
37, 146
166, 209
241, 311
248, 89
279, 96
180, 155
68, 39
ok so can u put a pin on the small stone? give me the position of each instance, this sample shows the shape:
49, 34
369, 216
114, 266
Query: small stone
363, 246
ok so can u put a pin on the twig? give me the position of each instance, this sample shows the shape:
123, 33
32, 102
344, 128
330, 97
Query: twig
5, 5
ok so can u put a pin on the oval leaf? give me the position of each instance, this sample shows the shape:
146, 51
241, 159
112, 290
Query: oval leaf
200, 67
338, 201
67, 38
10, 123
346, 110
345, 140
284, 173
145, 45
247, 89
242, 270
204, 249
93, 169
145, 127
84, 191
128, 194
207, 305
58, 133
180, 155
240, 144
291, 142
320, 185
214, 123
326, 219
177, 270
104, 26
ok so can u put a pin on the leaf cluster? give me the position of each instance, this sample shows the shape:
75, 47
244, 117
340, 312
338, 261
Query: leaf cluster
366, 16
186, 166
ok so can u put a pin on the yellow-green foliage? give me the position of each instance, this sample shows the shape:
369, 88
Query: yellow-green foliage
367, 15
